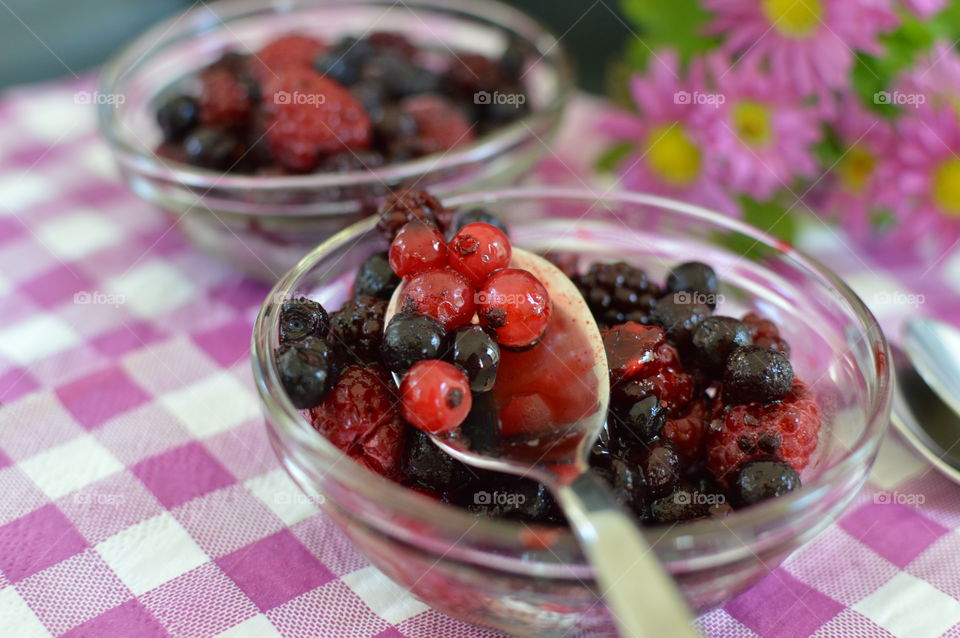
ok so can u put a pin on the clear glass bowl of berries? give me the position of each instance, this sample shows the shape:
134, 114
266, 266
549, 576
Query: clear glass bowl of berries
749, 392
264, 127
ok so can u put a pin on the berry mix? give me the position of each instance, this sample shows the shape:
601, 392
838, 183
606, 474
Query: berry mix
300, 105
706, 414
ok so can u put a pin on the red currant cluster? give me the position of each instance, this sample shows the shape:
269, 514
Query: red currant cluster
455, 283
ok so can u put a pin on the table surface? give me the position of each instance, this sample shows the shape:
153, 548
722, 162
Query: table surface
142, 498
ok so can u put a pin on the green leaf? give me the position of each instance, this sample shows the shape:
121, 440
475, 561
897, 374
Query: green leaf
771, 217
611, 158
676, 24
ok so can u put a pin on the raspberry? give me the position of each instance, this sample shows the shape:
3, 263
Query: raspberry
407, 205
787, 430
357, 328
477, 250
516, 306
224, 98
360, 417
765, 333
418, 247
286, 52
436, 396
441, 126
311, 116
686, 431
617, 293
443, 294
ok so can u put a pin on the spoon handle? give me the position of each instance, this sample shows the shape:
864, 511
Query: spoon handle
643, 599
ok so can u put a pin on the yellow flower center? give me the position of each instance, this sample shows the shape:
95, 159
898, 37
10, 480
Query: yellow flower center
856, 168
672, 155
751, 121
793, 18
946, 187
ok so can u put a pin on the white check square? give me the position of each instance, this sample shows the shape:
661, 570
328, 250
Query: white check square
214, 405
37, 338
70, 466
908, 606
78, 235
152, 289
282, 497
387, 599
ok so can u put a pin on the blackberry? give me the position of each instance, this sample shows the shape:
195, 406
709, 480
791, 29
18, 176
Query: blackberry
410, 338
177, 117
406, 205
376, 278
715, 339
301, 318
755, 374
617, 293
763, 479
696, 278
357, 328
475, 215
213, 149
308, 370
475, 351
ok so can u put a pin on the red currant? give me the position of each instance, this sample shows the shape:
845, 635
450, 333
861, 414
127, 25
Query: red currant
516, 306
435, 396
478, 250
443, 294
418, 246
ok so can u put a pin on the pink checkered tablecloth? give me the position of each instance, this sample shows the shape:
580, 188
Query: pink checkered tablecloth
141, 498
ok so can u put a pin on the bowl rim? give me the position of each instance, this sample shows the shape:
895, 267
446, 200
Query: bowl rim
203, 18
392, 496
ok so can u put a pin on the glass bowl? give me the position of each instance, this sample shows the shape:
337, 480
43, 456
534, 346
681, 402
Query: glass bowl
535, 582
265, 224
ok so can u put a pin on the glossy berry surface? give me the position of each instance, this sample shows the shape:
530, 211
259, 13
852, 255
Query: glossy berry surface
787, 430
755, 374
301, 318
410, 338
679, 314
360, 417
376, 278
763, 479
178, 116
308, 369
515, 306
639, 423
617, 293
473, 350
715, 339
643, 364
405, 206
213, 149
435, 396
428, 466
683, 504
482, 216
661, 467
418, 246
478, 250
443, 294
357, 328
696, 278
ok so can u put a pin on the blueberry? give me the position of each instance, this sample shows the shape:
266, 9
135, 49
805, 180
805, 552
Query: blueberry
308, 370
479, 215
660, 466
715, 338
429, 466
398, 76
510, 497
376, 278
410, 338
344, 62
683, 504
679, 314
213, 149
177, 117
624, 478
301, 318
755, 374
696, 278
763, 479
642, 422
475, 351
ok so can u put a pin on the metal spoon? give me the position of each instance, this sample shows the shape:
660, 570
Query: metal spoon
926, 403
644, 599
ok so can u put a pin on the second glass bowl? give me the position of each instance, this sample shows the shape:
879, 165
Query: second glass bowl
500, 573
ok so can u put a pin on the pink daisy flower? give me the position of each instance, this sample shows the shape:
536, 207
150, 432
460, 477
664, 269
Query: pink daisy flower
925, 8
920, 183
671, 158
936, 77
868, 142
808, 45
763, 135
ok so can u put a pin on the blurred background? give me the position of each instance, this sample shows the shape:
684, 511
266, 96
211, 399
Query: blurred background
42, 40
